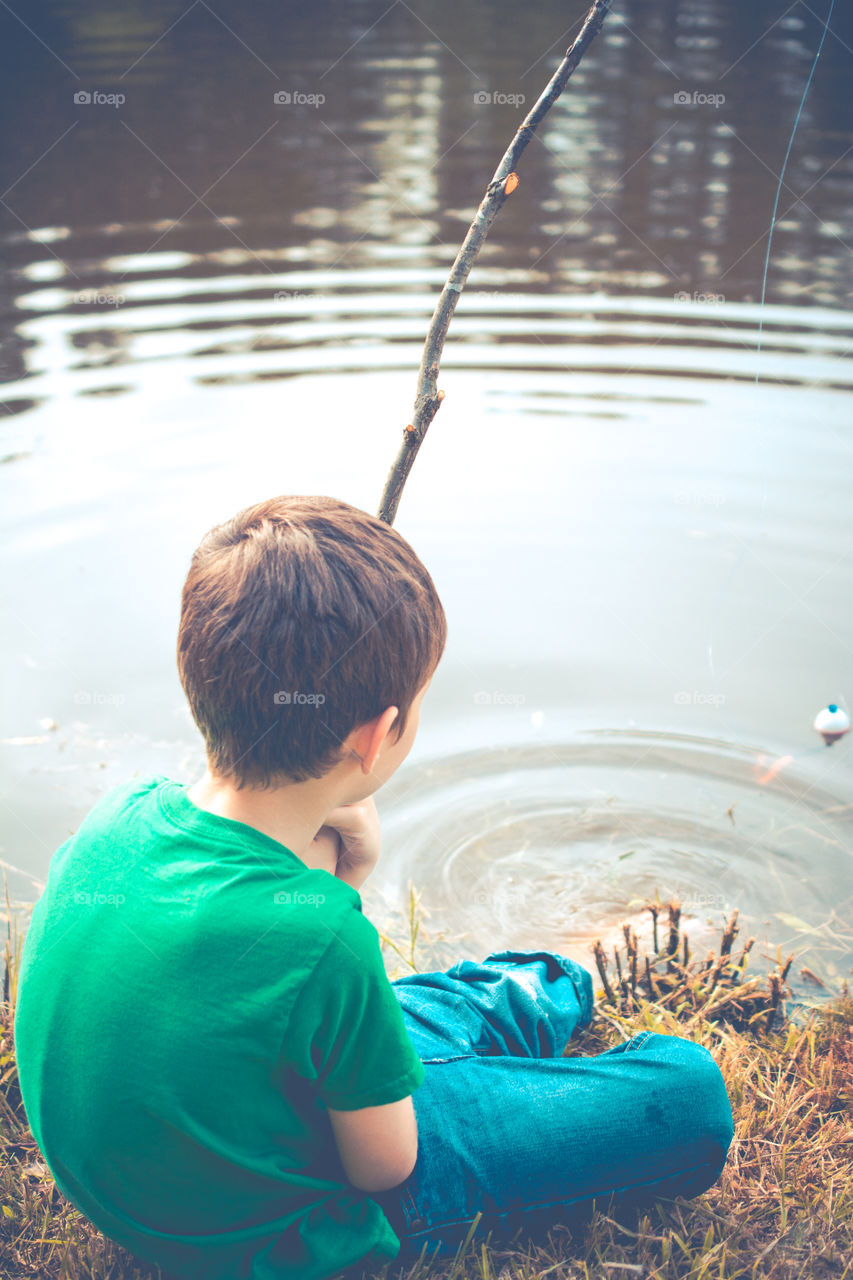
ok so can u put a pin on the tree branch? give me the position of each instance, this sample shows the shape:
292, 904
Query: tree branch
504, 182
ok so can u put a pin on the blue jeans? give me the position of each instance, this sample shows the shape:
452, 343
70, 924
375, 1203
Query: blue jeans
510, 1128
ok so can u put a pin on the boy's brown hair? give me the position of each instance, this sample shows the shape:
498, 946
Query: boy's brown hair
302, 618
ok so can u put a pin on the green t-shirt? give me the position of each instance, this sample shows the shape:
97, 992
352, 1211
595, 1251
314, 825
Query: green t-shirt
191, 998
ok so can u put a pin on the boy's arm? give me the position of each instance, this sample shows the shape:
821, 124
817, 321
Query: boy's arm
378, 1145
348, 843
347, 1034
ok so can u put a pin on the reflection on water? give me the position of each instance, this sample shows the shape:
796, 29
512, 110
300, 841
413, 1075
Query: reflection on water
316, 325
644, 554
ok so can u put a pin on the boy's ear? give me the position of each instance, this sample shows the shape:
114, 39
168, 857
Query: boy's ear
367, 739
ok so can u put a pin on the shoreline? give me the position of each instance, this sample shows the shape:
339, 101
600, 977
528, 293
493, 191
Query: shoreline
782, 1208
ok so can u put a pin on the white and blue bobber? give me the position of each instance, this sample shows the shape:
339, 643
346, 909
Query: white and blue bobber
832, 723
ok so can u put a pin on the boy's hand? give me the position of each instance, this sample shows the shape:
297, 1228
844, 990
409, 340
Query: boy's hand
324, 851
357, 826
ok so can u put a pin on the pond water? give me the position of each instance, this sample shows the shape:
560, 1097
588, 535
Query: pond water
639, 522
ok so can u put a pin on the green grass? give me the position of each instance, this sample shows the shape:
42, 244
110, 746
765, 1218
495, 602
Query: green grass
783, 1208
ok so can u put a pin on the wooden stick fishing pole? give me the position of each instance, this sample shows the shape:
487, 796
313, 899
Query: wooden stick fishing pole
504, 182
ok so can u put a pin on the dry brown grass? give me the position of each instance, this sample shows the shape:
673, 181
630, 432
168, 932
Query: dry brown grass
783, 1208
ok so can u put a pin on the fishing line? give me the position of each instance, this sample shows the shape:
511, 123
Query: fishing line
773, 218
782, 179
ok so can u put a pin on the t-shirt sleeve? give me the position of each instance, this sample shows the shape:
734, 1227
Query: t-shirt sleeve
346, 1031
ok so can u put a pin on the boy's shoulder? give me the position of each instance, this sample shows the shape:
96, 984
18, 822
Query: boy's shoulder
146, 845
120, 797
107, 815
148, 826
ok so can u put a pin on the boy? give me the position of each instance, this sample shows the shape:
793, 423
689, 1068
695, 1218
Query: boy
211, 1057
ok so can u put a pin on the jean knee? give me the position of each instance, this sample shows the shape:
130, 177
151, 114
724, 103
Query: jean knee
702, 1080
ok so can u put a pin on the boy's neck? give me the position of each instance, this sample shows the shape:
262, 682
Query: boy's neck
291, 814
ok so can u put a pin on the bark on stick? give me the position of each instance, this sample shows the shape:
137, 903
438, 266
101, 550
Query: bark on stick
504, 182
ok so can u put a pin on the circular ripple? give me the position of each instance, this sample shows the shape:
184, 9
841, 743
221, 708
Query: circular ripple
551, 846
